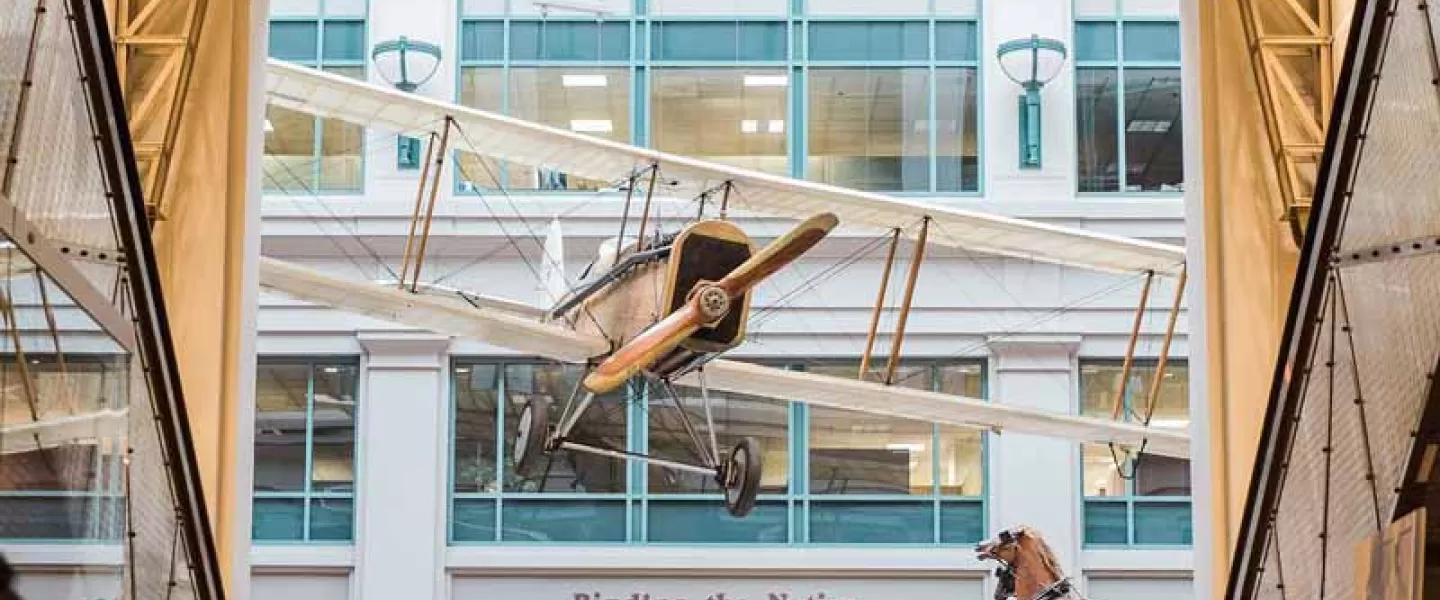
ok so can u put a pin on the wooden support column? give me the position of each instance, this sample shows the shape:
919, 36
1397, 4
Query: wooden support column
899, 340
430, 209
644, 214
1130, 349
1165, 347
879, 304
415, 215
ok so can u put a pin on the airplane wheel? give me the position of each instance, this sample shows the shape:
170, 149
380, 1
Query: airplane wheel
530, 435
742, 477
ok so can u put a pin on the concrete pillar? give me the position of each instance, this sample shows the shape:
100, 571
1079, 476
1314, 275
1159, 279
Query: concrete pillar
400, 485
430, 21
1036, 478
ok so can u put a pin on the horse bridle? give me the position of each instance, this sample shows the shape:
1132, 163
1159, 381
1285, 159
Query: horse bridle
1005, 577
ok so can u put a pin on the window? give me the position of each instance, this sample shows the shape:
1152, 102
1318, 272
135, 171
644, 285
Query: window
909, 126
592, 96
305, 450
71, 491
879, 480
1144, 502
846, 478
577, 498
1127, 106
735, 116
305, 154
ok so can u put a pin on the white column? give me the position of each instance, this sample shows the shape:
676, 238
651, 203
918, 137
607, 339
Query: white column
432, 21
1035, 478
400, 481
1017, 19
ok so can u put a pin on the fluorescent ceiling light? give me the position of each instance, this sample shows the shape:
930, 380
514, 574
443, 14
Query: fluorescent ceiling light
592, 125
578, 80
749, 126
1170, 423
776, 126
1149, 126
766, 81
269, 128
905, 447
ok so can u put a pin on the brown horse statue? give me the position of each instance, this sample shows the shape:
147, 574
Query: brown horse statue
1028, 568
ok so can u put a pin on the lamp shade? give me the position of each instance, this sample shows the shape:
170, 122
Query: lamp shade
406, 63
1032, 61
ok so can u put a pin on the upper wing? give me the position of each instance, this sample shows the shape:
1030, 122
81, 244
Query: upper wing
317, 92
492, 325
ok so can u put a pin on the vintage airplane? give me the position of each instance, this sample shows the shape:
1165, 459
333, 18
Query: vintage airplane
706, 270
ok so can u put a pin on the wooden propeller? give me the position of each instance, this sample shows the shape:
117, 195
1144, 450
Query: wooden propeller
707, 303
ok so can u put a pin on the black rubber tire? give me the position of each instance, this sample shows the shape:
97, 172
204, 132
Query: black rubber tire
742, 477
531, 435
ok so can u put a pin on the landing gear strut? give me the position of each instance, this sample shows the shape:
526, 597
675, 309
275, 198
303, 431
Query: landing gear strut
738, 475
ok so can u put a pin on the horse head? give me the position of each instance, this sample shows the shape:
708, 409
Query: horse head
1028, 568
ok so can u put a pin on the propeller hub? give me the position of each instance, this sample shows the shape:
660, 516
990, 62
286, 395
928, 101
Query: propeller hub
714, 302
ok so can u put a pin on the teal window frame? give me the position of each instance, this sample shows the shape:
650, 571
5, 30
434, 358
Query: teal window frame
642, 60
1119, 64
307, 496
1129, 499
101, 528
313, 187
637, 499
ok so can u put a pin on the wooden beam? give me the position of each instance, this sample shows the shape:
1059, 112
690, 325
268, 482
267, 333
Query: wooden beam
899, 340
879, 304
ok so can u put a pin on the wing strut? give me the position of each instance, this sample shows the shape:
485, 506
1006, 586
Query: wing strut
905, 304
429, 208
879, 303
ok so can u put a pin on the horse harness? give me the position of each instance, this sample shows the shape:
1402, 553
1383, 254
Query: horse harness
1005, 587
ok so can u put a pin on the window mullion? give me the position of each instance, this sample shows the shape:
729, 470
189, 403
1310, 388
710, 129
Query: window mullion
502, 399
1122, 166
309, 451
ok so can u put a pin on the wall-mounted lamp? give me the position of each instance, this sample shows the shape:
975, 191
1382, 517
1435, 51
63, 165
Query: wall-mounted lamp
1031, 62
406, 64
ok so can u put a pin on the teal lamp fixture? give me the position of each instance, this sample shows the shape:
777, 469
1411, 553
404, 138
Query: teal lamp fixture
1031, 62
406, 64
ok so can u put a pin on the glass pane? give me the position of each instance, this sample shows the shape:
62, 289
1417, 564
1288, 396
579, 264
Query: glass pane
482, 40
51, 516
333, 460
476, 389
473, 520
1152, 41
1100, 382
1167, 523
289, 151
278, 519
1096, 111
603, 425
294, 40
870, 41
728, 40
707, 521
590, 101
569, 40
482, 88
957, 135
332, 519
1162, 476
736, 417
1106, 523
1102, 476
1095, 41
872, 522
732, 116
342, 147
281, 404
962, 380
344, 41
1154, 152
962, 467
962, 522
732, 7
563, 521
867, 128
956, 41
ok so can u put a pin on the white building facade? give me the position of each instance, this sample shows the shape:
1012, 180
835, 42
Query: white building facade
382, 465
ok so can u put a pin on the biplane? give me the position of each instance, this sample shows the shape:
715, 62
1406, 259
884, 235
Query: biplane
615, 322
